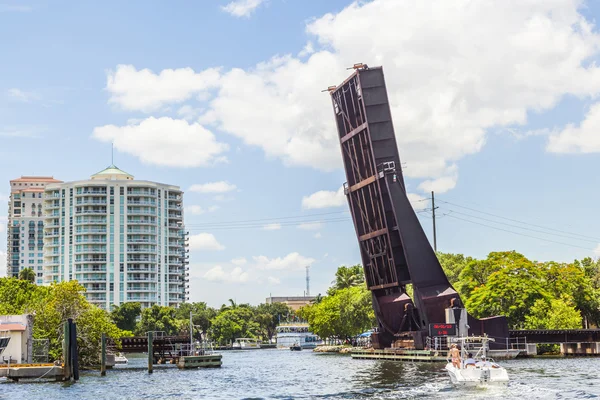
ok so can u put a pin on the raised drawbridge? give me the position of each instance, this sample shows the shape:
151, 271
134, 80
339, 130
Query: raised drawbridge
394, 248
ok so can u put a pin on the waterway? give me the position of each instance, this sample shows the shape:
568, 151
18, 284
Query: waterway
282, 374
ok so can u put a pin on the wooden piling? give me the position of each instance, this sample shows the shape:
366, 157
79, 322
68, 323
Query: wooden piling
150, 352
74, 350
67, 351
103, 357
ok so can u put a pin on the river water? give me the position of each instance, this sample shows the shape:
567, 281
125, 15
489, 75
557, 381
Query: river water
282, 374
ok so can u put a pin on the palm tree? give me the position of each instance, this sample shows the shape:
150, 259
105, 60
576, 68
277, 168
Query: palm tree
27, 274
346, 277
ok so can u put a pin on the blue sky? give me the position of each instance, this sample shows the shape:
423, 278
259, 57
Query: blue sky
494, 109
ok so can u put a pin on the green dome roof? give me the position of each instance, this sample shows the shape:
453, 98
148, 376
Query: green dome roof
112, 171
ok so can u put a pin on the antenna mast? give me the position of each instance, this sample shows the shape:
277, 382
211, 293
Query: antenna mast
308, 280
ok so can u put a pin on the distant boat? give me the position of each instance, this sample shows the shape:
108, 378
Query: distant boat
295, 347
289, 334
246, 344
120, 359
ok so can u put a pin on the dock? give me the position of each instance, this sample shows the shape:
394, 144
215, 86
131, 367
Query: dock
16, 372
421, 355
399, 355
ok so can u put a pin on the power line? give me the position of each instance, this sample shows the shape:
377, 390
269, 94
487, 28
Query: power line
270, 219
520, 222
525, 228
518, 233
262, 226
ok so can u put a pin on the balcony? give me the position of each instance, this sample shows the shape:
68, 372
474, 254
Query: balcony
141, 259
175, 216
140, 298
140, 211
97, 250
140, 240
90, 260
90, 230
147, 231
174, 197
83, 268
141, 269
82, 201
90, 212
52, 234
91, 192
141, 222
173, 206
145, 250
133, 278
81, 240
141, 192
150, 203
52, 205
91, 221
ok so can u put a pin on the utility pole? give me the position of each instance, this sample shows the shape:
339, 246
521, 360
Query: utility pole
307, 281
433, 207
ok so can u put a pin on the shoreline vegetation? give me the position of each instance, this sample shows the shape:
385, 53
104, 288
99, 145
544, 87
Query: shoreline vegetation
531, 294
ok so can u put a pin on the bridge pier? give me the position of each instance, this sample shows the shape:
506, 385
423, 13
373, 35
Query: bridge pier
580, 349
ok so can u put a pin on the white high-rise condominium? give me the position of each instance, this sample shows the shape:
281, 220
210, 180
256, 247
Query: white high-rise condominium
25, 227
121, 238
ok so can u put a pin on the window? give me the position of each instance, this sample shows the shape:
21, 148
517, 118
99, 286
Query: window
112, 190
121, 191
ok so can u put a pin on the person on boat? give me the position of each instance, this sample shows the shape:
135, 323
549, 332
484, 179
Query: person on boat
483, 363
454, 354
470, 361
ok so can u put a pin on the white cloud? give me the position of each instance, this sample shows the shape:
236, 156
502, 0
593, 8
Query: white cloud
584, 138
218, 274
12, 132
3, 197
3, 222
273, 281
242, 8
597, 251
272, 227
439, 185
417, 201
165, 141
292, 261
188, 112
23, 96
239, 261
146, 91
198, 210
311, 226
324, 199
213, 187
205, 241
318, 235
307, 50
448, 83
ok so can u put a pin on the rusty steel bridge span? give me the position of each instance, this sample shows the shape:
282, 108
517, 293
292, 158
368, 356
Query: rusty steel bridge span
394, 249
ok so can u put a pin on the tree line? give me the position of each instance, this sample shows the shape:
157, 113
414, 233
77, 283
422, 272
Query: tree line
531, 294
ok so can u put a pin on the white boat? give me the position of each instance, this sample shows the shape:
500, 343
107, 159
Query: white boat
246, 344
120, 359
290, 334
478, 370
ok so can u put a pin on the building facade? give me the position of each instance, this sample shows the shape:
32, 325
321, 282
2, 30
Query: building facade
25, 228
122, 239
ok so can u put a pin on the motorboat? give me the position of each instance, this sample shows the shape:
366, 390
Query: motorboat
295, 347
120, 359
246, 344
475, 368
